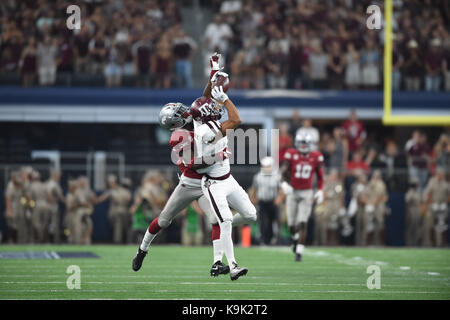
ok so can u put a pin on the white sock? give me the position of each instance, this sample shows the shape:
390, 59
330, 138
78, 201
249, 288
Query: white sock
300, 248
148, 238
227, 241
217, 250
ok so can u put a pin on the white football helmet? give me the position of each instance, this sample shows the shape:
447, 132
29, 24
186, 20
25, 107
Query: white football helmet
303, 142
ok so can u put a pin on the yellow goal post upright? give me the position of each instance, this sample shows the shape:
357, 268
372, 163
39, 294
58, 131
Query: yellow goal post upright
388, 117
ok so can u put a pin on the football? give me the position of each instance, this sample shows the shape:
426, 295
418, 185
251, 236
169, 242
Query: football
222, 81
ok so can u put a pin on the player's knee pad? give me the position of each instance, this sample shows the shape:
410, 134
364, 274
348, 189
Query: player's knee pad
164, 223
252, 213
249, 214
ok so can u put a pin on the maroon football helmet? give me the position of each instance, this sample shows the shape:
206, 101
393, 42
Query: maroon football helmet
204, 109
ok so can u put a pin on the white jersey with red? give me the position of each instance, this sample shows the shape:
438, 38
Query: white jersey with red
218, 185
204, 136
302, 168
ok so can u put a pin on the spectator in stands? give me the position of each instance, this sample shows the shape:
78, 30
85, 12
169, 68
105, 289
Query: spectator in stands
295, 64
375, 208
434, 65
397, 65
358, 163
418, 155
447, 71
307, 128
162, 63
66, 59
337, 150
413, 200
441, 153
295, 122
285, 140
393, 164
276, 66
336, 66
217, 35
437, 198
28, 63
353, 67
191, 232
47, 54
81, 50
370, 60
317, 69
412, 67
141, 51
113, 67
183, 47
98, 47
354, 132
8, 64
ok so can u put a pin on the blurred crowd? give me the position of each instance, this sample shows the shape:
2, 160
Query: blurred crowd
142, 41
326, 44
265, 44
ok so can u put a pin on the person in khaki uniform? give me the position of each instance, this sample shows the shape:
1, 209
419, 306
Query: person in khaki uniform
24, 223
13, 196
356, 207
71, 213
55, 193
375, 206
83, 224
414, 221
320, 225
437, 197
41, 214
191, 232
151, 198
118, 208
334, 204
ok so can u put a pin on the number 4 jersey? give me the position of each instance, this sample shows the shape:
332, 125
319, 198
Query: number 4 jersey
302, 167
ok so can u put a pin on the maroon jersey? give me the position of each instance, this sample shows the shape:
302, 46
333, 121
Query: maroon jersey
302, 168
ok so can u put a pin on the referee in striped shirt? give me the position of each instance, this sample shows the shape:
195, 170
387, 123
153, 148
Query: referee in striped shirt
264, 191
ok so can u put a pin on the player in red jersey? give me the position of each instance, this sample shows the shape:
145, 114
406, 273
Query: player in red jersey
298, 166
176, 117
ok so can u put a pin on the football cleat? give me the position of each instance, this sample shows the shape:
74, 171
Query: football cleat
237, 272
298, 257
138, 259
219, 268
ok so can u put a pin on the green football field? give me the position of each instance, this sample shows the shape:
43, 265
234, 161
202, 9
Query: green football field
174, 272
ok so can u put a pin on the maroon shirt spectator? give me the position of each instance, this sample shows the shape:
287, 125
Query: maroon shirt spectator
433, 61
142, 51
81, 44
66, 56
418, 150
354, 132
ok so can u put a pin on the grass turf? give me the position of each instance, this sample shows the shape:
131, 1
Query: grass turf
174, 272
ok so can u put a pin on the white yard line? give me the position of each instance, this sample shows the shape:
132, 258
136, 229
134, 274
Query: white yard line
234, 290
